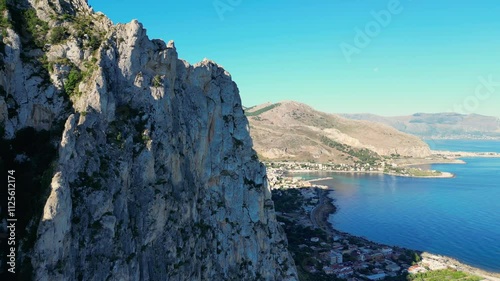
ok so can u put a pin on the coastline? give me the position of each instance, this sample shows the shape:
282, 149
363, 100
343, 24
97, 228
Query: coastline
434, 161
326, 207
299, 171
464, 154
320, 179
437, 157
443, 174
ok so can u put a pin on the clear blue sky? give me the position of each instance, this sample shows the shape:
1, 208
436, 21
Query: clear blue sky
426, 58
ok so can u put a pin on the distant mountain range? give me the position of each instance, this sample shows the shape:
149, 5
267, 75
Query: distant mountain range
293, 131
440, 125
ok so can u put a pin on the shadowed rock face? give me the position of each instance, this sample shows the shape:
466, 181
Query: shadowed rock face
156, 177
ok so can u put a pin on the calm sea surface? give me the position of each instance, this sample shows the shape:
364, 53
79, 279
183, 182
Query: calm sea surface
458, 217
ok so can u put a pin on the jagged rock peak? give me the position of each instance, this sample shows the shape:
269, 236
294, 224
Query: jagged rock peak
171, 44
62, 6
49, 10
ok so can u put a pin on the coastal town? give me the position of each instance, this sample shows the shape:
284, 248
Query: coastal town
389, 168
324, 253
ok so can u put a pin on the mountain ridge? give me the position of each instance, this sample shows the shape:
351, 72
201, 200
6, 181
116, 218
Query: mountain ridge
439, 125
291, 130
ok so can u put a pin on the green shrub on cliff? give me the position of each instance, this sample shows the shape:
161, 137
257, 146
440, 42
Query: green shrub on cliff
74, 78
85, 28
57, 35
25, 22
35, 26
4, 22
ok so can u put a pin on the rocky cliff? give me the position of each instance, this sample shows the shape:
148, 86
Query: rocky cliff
155, 176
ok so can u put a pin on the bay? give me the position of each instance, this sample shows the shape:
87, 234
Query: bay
457, 217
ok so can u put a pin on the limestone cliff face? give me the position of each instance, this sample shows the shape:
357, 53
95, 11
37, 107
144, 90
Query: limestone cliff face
156, 177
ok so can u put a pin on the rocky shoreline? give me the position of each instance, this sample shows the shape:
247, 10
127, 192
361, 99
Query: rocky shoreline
454, 264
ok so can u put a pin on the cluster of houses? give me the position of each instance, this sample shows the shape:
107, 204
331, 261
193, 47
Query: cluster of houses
305, 166
368, 262
278, 181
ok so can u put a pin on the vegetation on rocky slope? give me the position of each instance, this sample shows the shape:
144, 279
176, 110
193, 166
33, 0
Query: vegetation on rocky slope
362, 155
4, 22
249, 112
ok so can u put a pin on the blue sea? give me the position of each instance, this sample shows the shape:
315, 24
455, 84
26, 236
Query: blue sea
457, 217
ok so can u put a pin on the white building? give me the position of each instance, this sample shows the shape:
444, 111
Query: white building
336, 258
328, 270
386, 251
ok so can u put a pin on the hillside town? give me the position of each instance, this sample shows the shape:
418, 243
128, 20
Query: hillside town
323, 253
389, 168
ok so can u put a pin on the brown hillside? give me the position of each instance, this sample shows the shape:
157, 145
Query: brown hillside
294, 131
